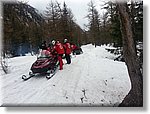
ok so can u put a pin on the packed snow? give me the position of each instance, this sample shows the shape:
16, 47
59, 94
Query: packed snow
92, 79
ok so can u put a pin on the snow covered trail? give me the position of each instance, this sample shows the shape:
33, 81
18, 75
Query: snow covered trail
93, 79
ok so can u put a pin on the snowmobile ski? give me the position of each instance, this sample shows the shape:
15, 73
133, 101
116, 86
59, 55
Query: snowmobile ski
25, 77
52, 73
50, 76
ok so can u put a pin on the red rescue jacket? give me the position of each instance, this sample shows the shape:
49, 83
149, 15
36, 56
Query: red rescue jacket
67, 48
73, 47
58, 47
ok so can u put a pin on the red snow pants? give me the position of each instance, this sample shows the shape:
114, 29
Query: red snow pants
60, 61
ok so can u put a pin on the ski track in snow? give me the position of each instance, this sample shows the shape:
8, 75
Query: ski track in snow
92, 79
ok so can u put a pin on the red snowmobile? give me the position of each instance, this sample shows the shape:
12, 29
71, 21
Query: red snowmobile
44, 65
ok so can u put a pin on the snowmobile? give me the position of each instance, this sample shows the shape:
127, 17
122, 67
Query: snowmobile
43, 66
77, 51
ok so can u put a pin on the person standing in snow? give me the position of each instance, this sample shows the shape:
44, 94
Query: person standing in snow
67, 48
58, 48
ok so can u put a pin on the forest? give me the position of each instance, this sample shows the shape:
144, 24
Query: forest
25, 28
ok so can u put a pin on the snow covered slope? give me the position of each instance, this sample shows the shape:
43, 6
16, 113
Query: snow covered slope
93, 79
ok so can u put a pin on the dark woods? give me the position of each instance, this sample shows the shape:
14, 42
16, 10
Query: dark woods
25, 28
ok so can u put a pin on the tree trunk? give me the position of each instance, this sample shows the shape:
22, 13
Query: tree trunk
135, 96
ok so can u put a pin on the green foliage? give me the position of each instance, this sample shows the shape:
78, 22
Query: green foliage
113, 18
61, 24
137, 20
94, 24
136, 15
116, 32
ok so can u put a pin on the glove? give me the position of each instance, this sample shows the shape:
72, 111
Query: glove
63, 56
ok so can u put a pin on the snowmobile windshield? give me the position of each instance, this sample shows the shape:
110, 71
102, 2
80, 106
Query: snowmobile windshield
44, 55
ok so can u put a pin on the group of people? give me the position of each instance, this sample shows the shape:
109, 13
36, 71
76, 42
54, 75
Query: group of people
55, 47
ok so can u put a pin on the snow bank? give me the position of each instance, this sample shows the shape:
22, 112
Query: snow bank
93, 79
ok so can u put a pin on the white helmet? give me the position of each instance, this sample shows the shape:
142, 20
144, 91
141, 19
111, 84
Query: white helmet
65, 40
53, 42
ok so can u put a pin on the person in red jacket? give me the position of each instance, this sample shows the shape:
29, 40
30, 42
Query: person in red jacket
58, 48
73, 48
67, 48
